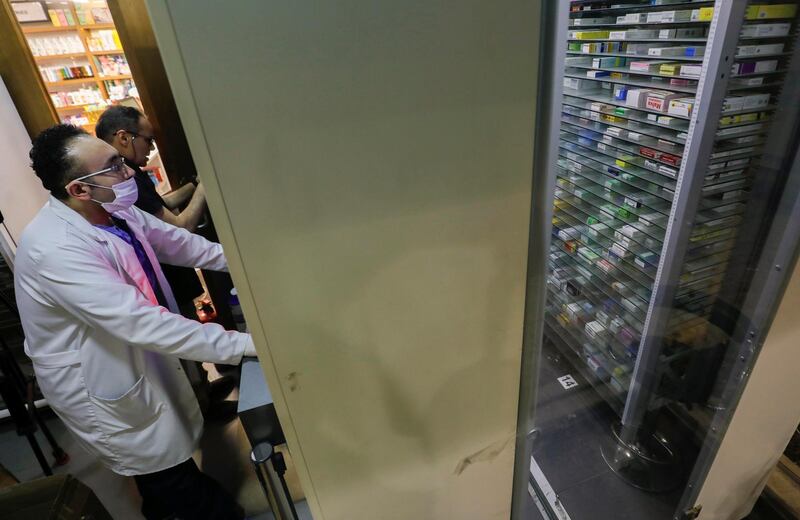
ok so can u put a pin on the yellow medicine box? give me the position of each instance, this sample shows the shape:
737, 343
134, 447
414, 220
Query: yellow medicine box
670, 68
705, 14
766, 12
589, 35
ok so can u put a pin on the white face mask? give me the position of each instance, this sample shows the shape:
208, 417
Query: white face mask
125, 192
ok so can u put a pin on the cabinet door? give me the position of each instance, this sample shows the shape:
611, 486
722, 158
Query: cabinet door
369, 166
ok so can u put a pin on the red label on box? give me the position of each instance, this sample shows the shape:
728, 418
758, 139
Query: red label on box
655, 103
670, 159
647, 152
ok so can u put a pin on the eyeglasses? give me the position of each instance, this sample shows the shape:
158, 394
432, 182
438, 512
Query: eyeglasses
150, 139
117, 168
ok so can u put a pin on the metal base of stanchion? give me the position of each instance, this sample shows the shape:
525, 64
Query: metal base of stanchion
647, 462
270, 468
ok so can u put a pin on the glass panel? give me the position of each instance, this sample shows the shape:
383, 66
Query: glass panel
664, 180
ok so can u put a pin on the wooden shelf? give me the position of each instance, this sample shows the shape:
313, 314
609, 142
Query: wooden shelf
61, 56
112, 51
47, 28
52, 28
72, 108
110, 78
74, 81
97, 26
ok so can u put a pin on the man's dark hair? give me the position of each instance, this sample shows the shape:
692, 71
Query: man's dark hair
117, 118
50, 157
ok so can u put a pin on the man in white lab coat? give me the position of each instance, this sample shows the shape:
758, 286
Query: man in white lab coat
102, 327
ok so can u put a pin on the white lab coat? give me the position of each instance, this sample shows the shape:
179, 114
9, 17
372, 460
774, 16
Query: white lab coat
105, 354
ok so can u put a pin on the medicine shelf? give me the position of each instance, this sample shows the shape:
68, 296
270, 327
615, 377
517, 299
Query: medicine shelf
587, 113
647, 8
648, 40
632, 157
70, 55
599, 280
594, 95
71, 81
696, 59
70, 108
584, 211
618, 270
600, 158
647, 142
630, 115
579, 209
625, 70
594, 185
107, 51
611, 151
636, 183
50, 28
634, 83
614, 400
638, 24
115, 77
625, 313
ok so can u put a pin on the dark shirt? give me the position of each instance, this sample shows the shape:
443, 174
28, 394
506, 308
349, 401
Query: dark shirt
149, 200
183, 280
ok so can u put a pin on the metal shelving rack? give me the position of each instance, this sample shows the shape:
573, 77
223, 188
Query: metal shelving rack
649, 205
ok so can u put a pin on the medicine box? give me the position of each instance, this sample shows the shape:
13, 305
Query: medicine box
659, 100
597, 74
636, 97
574, 61
691, 71
761, 30
588, 35
757, 50
595, 329
690, 51
576, 84
766, 12
601, 20
631, 18
633, 34
588, 254
613, 61
669, 16
756, 101
646, 66
681, 106
752, 67
690, 32
671, 69
704, 14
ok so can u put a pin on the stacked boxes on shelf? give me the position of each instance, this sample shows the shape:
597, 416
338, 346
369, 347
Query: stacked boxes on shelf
624, 126
746, 113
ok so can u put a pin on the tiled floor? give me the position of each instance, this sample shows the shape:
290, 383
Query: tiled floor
223, 453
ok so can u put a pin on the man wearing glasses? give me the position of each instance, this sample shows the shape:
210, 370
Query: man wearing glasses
130, 132
102, 328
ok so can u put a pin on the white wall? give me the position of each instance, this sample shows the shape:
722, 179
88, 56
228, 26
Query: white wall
21, 193
368, 165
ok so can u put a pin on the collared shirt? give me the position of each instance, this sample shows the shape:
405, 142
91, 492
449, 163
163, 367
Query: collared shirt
120, 229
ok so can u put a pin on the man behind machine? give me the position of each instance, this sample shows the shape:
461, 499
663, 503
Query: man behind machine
102, 330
